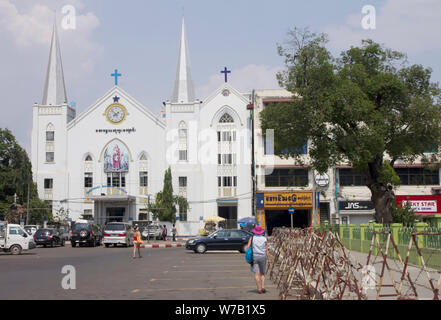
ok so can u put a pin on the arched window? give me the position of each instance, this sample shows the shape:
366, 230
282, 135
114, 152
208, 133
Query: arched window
226, 118
183, 141
143, 174
88, 173
50, 132
50, 138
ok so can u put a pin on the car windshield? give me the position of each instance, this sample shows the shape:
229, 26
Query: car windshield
115, 227
153, 227
79, 226
44, 232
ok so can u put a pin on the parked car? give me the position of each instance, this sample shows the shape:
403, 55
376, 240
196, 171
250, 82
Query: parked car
152, 231
14, 239
85, 232
31, 229
48, 237
228, 239
63, 228
118, 233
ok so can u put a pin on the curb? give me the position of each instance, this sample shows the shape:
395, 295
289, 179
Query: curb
148, 246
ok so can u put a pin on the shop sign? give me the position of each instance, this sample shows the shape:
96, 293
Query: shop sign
356, 205
286, 199
421, 204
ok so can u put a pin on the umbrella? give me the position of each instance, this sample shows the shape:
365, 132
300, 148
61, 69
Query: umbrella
248, 220
214, 219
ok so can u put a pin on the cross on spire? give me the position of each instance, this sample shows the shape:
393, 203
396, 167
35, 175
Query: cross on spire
226, 71
116, 75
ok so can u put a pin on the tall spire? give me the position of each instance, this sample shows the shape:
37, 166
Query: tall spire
184, 88
54, 89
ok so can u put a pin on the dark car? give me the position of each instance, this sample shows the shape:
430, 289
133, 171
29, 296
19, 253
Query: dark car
228, 239
86, 233
48, 237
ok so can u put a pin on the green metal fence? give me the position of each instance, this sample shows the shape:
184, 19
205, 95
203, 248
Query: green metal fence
359, 238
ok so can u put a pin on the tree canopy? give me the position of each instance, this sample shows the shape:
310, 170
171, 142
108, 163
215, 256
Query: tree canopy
16, 178
164, 206
367, 108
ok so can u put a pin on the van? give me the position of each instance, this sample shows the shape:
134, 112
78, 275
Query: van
14, 239
118, 233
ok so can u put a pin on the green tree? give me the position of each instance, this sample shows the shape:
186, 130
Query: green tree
16, 178
367, 108
405, 215
164, 206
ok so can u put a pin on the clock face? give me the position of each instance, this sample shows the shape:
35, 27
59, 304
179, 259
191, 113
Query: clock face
115, 113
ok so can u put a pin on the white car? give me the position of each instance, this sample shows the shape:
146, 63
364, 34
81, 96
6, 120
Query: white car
118, 233
14, 239
31, 229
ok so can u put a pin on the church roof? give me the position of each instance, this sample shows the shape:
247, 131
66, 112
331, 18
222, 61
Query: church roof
184, 88
54, 89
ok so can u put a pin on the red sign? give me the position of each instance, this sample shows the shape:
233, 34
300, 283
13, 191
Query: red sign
423, 205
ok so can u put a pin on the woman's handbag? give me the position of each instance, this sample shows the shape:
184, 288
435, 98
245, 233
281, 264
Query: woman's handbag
249, 253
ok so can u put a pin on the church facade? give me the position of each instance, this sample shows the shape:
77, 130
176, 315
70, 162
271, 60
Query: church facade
108, 161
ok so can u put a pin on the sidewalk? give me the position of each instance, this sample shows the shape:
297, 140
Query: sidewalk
418, 277
180, 243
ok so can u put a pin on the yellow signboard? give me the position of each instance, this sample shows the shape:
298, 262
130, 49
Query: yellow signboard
286, 199
261, 218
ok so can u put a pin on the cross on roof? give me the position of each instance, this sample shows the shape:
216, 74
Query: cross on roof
226, 71
116, 75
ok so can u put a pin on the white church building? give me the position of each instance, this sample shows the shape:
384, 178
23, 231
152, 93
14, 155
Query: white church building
108, 161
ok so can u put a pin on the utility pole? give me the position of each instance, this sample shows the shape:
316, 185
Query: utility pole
27, 204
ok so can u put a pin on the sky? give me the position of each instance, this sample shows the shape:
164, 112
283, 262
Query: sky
140, 38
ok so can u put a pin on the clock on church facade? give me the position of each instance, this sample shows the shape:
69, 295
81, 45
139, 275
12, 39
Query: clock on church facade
116, 113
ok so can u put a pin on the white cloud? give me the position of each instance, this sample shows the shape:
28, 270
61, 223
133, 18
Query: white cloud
31, 25
244, 79
405, 25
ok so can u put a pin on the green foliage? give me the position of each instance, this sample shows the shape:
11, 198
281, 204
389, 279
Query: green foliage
355, 109
16, 178
38, 211
388, 176
404, 215
164, 207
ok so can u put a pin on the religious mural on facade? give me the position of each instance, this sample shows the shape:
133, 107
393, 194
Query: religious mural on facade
116, 157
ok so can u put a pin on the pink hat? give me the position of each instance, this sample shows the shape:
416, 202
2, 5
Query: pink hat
258, 230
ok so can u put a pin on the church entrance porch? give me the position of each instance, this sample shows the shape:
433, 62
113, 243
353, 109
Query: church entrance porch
114, 208
115, 214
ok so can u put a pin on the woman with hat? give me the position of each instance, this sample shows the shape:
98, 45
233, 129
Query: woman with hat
260, 254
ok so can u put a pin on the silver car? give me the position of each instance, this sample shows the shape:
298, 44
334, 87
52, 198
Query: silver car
118, 233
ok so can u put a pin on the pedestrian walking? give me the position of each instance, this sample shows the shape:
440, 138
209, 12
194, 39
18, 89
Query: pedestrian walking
164, 233
260, 253
174, 232
136, 242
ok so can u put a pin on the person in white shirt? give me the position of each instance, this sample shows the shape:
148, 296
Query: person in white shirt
260, 253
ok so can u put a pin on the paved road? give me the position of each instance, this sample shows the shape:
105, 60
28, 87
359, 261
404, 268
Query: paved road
111, 273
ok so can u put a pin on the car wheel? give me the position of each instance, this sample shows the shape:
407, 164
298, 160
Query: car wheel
115, 245
15, 249
201, 248
73, 244
244, 248
44, 245
107, 245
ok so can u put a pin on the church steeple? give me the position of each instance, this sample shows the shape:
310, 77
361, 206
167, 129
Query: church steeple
54, 89
184, 88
